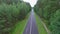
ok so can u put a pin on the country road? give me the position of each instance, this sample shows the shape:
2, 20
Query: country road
31, 27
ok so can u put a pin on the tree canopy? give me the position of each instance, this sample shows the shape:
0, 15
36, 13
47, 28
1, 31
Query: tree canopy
49, 10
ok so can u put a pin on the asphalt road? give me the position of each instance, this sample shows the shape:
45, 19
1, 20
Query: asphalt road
31, 27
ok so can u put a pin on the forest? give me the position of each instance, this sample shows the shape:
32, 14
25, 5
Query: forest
14, 15
49, 12
12, 11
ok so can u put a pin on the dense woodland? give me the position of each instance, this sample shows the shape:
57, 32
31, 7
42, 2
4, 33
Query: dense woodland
12, 11
49, 10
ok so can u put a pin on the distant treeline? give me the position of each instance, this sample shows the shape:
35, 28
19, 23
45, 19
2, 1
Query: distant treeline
49, 10
12, 11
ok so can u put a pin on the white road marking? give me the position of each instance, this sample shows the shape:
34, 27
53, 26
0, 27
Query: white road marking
32, 13
31, 25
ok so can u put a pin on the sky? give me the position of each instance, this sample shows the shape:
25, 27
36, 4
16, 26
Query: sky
32, 2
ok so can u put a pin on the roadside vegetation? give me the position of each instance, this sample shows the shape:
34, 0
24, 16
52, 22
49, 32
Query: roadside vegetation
49, 11
20, 26
40, 26
12, 12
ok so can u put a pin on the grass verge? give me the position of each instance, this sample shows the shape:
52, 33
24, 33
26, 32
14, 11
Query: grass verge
20, 26
41, 28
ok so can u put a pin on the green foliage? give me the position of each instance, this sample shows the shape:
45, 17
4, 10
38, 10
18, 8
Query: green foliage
12, 13
10, 1
49, 10
55, 23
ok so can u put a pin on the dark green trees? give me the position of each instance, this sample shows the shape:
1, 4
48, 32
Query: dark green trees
10, 13
55, 23
50, 10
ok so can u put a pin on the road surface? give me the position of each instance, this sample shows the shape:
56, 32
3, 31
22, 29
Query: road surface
31, 27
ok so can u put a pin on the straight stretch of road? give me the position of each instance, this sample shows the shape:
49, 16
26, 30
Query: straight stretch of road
31, 27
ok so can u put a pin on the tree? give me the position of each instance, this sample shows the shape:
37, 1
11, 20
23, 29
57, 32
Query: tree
55, 23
